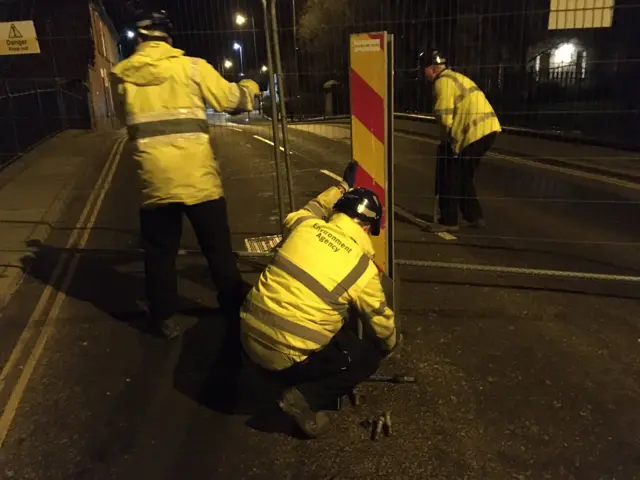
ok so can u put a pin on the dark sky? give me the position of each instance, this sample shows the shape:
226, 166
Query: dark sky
205, 28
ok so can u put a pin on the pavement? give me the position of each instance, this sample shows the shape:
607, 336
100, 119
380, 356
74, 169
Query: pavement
519, 376
35, 191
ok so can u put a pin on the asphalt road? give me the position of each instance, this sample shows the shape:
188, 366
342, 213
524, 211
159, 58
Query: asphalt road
519, 376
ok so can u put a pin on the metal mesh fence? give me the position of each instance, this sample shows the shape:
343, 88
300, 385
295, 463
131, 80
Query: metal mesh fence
561, 181
63, 85
544, 66
559, 186
32, 110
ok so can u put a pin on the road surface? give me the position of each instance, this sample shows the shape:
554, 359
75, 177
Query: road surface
519, 376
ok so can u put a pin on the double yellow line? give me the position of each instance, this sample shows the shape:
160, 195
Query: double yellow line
22, 361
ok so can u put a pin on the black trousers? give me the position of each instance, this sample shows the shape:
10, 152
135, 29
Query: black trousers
161, 229
455, 181
334, 371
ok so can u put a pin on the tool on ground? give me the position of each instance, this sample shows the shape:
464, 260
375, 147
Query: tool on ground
387, 423
392, 378
357, 399
381, 426
377, 429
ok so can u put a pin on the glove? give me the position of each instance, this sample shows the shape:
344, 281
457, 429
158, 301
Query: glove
250, 86
349, 175
396, 348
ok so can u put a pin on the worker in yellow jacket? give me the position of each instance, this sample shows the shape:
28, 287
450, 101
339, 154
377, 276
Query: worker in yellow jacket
162, 96
469, 126
292, 320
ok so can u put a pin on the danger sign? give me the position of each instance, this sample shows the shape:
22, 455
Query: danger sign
18, 38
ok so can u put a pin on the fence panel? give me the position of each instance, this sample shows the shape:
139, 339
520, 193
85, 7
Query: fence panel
548, 205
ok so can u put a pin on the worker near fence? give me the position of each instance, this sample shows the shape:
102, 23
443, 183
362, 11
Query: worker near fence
469, 126
293, 318
162, 95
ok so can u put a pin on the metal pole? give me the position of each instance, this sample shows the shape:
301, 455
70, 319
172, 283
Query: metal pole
295, 47
283, 108
255, 45
274, 119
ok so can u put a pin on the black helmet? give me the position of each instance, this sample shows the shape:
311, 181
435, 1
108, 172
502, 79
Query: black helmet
433, 58
154, 23
437, 58
363, 205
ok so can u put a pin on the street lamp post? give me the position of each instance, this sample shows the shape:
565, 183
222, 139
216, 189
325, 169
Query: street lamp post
240, 21
237, 46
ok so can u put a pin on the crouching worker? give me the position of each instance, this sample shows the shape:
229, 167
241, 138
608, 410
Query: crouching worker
293, 318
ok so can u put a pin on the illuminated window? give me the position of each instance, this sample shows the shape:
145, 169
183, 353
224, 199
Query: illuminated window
564, 54
570, 14
568, 61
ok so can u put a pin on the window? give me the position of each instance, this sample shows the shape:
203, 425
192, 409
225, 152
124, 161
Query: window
571, 14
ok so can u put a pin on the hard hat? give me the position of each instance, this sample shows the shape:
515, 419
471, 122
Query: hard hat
154, 23
437, 58
363, 205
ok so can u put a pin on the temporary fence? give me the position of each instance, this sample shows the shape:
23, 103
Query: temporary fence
550, 206
554, 74
62, 81
33, 110
548, 69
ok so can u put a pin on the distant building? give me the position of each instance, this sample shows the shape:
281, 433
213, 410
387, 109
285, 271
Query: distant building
586, 46
106, 56
66, 85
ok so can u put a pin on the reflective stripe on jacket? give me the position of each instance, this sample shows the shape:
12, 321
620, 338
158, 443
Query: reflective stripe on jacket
462, 110
302, 298
162, 97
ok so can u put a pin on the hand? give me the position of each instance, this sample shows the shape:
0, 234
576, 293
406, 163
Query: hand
250, 86
397, 346
349, 175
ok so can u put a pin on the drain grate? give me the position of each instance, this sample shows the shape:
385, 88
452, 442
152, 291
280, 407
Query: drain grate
262, 244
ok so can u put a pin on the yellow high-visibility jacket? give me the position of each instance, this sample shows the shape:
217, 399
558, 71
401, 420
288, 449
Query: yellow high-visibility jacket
302, 298
162, 94
462, 110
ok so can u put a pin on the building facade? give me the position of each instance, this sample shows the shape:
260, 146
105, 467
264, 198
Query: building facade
66, 85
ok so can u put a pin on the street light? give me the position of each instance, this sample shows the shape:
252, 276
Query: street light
130, 34
227, 63
241, 20
264, 68
237, 46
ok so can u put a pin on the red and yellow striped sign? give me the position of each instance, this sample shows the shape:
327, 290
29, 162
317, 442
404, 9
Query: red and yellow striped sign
369, 124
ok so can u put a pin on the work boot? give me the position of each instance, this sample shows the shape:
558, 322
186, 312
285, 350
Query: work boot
480, 223
296, 406
175, 326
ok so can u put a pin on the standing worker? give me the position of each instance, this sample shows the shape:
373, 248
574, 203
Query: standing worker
292, 320
469, 127
162, 94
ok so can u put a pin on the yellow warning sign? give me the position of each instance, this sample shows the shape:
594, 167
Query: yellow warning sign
13, 31
18, 38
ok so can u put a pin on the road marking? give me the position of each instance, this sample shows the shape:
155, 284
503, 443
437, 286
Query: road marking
267, 141
532, 163
402, 212
102, 186
234, 128
58, 270
446, 236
